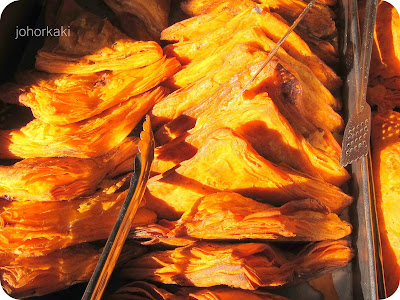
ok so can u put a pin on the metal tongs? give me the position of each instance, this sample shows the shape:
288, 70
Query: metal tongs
356, 138
276, 48
112, 249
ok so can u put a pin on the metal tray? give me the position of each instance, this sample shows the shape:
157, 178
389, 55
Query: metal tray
362, 278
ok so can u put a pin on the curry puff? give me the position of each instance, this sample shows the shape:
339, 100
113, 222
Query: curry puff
139, 289
41, 275
88, 138
227, 162
37, 228
94, 45
63, 99
274, 29
293, 97
230, 216
319, 21
246, 266
64, 178
258, 120
319, 100
173, 105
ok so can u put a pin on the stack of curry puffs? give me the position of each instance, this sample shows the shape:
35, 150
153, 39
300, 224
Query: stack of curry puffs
230, 174
88, 92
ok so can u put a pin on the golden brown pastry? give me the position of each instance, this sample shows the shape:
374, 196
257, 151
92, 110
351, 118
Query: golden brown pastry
64, 178
258, 120
40, 275
386, 162
153, 13
320, 102
385, 58
323, 258
246, 266
318, 21
94, 45
138, 289
227, 162
173, 105
274, 29
63, 99
230, 216
37, 228
88, 138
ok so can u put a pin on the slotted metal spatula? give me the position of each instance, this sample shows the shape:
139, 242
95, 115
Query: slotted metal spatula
112, 249
356, 139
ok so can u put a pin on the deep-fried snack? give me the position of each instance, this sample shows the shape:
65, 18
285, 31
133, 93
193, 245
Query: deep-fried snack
317, 22
386, 162
247, 266
327, 51
188, 51
385, 58
62, 99
257, 119
173, 105
200, 25
227, 162
227, 215
153, 13
322, 258
92, 39
287, 92
37, 228
282, 86
36, 276
141, 288
299, 103
318, 97
193, 28
64, 178
88, 138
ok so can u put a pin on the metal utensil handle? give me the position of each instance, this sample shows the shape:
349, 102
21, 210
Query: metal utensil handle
366, 49
276, 48
105, 266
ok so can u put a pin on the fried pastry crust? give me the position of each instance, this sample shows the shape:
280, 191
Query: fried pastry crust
63, 99
318, 97
317, 22
41, 275
173, 105
230, 216
37, 228
227, 162
94, 45
385, 58
273, 28
258, 120
246, 266
64, 178
88, 138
